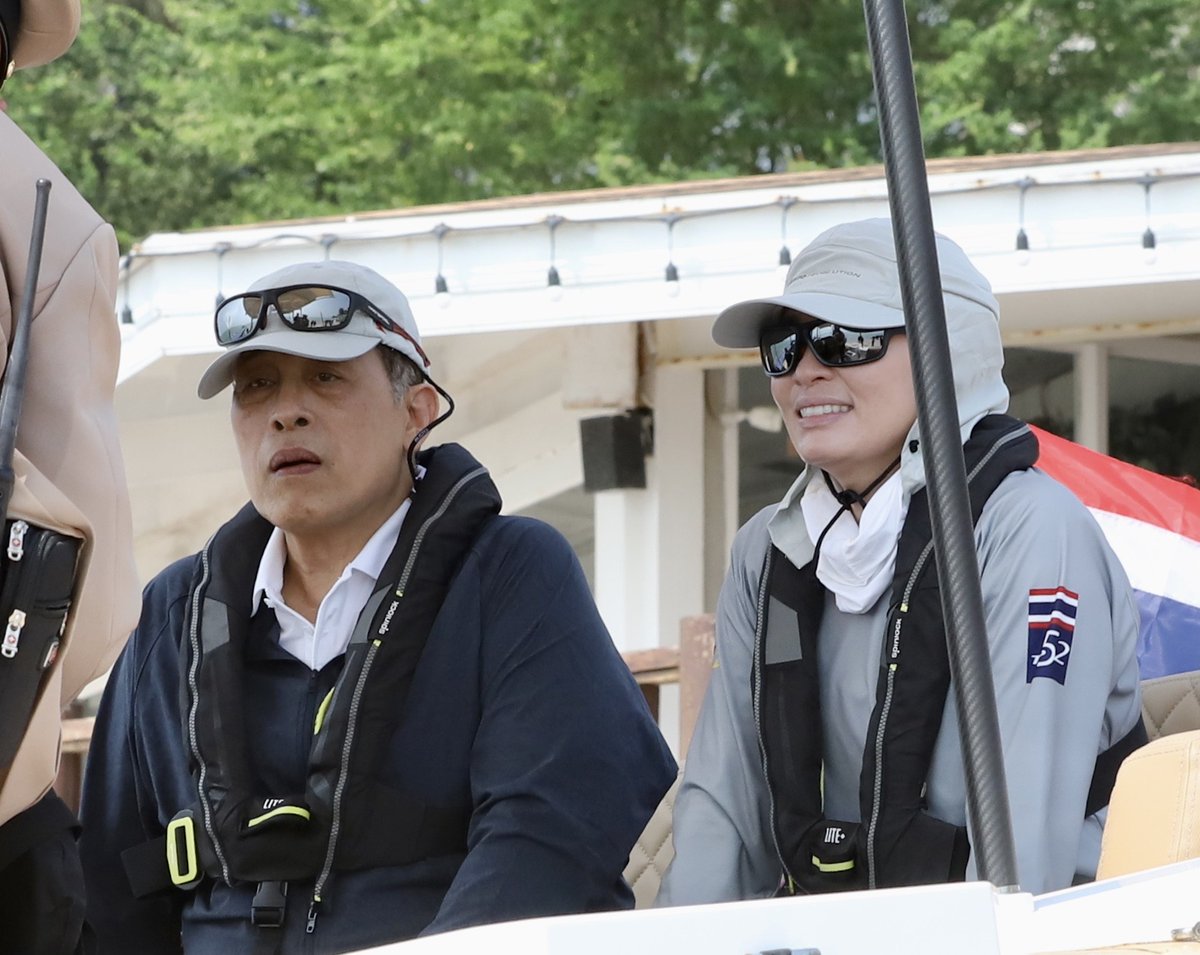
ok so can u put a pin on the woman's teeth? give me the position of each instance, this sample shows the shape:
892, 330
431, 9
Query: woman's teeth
814, 410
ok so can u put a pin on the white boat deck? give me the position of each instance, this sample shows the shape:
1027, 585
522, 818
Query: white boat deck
1140, 911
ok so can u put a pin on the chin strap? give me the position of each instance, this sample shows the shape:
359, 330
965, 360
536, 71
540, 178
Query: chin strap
848, 499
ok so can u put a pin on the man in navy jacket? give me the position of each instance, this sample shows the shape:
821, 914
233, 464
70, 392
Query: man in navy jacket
371, 708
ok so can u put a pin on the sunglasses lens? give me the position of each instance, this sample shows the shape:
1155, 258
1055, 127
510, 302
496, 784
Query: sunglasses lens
837, 346
314, 309
780, 350
238, 318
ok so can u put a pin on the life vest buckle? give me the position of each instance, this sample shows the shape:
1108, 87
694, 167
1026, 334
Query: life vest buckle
270, 901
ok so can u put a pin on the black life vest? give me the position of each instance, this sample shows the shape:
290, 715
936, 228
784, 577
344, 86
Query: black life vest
237, 833
896, 842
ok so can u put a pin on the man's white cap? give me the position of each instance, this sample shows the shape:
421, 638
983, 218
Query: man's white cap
356, 339
848, 275
48, 28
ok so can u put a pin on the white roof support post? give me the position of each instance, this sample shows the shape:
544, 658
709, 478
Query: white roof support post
1091, 396
720, 477
650, 543
626, 559
679, 481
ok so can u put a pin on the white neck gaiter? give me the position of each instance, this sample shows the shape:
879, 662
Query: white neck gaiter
856, 561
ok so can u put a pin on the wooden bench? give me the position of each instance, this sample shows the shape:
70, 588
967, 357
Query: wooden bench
688, 664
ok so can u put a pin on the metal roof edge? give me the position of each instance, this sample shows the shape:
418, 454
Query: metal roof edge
943, 166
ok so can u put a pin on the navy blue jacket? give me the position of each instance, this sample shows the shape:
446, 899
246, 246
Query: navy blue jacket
520, 707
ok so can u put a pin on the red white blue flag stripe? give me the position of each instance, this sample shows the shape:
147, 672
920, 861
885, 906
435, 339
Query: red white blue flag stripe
1153, 525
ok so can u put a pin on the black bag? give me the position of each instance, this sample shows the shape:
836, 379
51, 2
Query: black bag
37, 581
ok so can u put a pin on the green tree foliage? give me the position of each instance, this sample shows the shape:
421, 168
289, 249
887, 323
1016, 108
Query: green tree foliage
113, 115
1058, 74
171, 114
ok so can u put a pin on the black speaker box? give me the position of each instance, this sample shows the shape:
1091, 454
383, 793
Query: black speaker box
614, 451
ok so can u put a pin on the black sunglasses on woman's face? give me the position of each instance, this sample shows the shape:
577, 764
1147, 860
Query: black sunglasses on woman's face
782, 346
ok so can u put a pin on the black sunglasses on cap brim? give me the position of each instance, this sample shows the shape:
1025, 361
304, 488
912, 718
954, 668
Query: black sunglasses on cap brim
302, 308
782, 346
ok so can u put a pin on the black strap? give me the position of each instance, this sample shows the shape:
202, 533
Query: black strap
43, 820
10, 15
146, 868
396, 830
1104, 777
266, 915
960, 855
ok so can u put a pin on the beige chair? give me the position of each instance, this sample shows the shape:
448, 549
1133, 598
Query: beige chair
1171, 704
1154, 814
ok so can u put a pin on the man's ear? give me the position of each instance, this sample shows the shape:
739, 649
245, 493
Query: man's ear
421, 402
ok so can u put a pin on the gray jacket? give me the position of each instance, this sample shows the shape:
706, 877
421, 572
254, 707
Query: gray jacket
1033, 535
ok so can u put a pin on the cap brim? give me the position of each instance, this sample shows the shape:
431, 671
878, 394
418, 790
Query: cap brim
316, 345
740, 325
48, 28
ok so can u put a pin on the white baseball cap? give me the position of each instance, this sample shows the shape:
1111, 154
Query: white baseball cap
360, 335
848, 275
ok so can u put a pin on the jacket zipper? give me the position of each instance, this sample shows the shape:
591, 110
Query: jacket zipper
893, 652
193, 689
356, 698
24, 607
893, 657
763, 588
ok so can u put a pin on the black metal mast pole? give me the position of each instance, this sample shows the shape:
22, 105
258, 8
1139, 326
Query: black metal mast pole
941, 444
14, 373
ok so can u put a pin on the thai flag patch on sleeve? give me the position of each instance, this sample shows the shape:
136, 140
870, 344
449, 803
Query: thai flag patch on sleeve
1051, 630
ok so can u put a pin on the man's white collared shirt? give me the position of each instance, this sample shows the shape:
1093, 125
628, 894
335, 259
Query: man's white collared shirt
339, 610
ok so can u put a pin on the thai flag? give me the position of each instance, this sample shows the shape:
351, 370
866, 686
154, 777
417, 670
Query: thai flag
1153, 524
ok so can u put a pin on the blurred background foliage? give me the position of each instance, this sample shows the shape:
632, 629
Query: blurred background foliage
171, 114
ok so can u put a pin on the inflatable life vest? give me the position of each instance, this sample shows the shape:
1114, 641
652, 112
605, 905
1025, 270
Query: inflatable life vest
236, 833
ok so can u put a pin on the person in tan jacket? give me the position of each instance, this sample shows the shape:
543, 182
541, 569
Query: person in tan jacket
69, 477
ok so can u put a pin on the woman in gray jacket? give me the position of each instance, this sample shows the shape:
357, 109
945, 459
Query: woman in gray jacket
827, 752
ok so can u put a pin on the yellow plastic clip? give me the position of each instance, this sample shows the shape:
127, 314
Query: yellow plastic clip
299, 811
182, 878
833, 866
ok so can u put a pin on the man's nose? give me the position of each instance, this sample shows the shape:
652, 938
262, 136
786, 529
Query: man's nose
286, 422
290, 409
